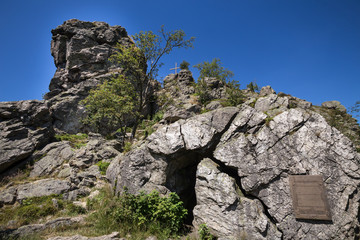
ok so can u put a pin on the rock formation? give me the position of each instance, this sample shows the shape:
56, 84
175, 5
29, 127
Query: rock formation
81, 51
24, 127
230, 165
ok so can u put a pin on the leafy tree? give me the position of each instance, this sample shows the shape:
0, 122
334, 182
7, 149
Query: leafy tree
214, 69
116, 101
141, 62
253, 87
355, 109
235, 96
110, 105
184, 65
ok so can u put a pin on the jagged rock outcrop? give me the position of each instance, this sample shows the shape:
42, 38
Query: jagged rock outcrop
179, 89
225, 210
81, 51
68, 171
243, 181
24, 127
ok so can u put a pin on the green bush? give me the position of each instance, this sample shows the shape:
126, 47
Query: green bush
103, 167
143, 212
184, 65
203, 91
76, 140
204, 232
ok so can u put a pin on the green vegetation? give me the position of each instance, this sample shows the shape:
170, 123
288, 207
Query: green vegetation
355, 110
32, 209
140, 215
204, 233
214, 69
253, 87
110, 105
235, 96
76, 140
184, 65
122, 99
103, 167
127, 147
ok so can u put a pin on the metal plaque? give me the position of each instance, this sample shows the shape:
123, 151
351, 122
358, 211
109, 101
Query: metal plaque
309, 197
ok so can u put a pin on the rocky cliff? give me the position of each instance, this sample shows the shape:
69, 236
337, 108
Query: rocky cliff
230, 165
81, 51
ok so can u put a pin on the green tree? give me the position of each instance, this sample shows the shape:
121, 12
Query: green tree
214, 69
184, 65
110, 105
140, 63
355, 109
234, 94
253, 87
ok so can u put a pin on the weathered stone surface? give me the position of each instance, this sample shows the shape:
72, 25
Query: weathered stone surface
267, 90
24, 127
112, 236
334, 105
194, 133
44, 187
81, 51
297, 142
8, 195
229, 214
272, 104
51, 157
213, 105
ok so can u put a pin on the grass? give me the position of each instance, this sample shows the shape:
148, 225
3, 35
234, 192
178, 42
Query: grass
34, 209
103, 167
139, 216
76, 140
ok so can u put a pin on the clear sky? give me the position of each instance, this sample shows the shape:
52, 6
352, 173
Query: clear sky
307, 48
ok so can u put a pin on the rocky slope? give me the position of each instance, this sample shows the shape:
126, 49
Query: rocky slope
230, 165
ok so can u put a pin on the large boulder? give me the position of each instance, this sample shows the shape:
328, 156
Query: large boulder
231, 167
81, 51
24, 127
226, 212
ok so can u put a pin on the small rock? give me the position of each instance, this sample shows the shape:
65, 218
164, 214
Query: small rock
334, 105
267, 90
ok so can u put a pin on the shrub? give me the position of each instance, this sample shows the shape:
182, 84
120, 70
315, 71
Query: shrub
76, 140
204, 232
103, 167
184, 65
143, 212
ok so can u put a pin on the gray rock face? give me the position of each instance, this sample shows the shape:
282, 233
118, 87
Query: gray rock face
334, 105
297, 143
112, 236
267, 90
51, 157
180, 88
44, 187
243, 191
81, 51
24, 127
226, 212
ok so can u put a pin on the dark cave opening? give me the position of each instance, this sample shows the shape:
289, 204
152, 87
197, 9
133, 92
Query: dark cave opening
181, 178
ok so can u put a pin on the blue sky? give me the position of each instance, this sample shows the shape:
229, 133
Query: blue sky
307, 48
